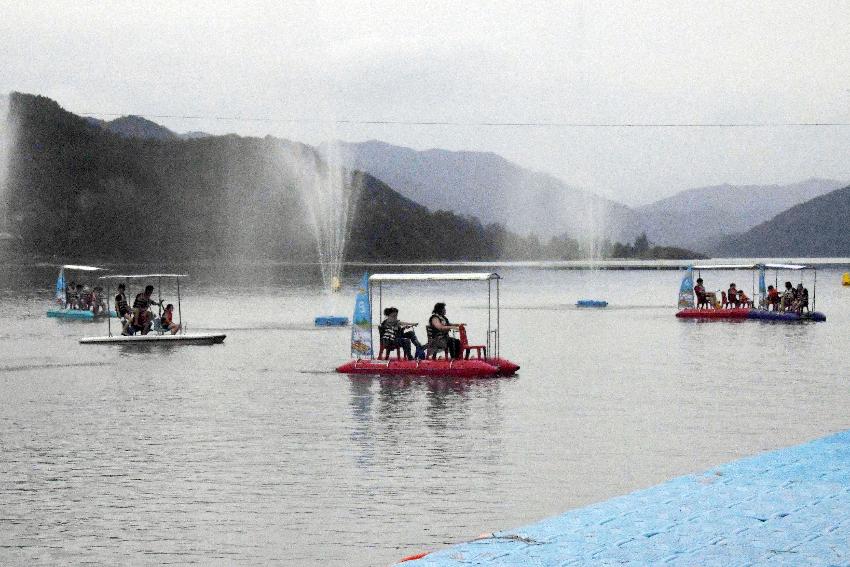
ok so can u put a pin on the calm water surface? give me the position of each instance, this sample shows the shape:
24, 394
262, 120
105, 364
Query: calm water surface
254, 452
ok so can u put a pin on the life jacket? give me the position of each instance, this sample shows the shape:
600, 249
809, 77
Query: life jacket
121, 305
388, 331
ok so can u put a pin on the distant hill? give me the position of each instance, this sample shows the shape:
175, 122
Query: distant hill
700, 218
493, 189
818, 228
131, 191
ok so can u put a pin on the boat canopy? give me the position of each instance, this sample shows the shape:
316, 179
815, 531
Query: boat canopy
81, 268
750, 267
139, 276
469, 277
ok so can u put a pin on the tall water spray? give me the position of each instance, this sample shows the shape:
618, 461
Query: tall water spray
6, 140
329, 192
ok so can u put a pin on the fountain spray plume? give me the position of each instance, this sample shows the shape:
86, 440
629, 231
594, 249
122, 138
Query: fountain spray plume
6, 145
329, 192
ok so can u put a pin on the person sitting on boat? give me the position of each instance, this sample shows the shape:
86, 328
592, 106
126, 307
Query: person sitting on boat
732, 295
166, 320
122, 309
142, 317
395, 333
788, 297
743, 300
69, 295
773, 298
801, 299
80, 298
699, 292
97, 303
438, 332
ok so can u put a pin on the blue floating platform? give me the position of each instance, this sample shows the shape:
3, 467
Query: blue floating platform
596, 303
77, 314
331, 321
786, 507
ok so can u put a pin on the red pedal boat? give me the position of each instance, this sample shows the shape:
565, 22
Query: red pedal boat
478, 361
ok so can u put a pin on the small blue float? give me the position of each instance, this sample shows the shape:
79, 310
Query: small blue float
331, 321
597, 303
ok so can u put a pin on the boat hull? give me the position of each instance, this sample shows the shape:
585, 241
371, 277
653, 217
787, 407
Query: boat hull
462, 368
194, 339
742, 313
77, 314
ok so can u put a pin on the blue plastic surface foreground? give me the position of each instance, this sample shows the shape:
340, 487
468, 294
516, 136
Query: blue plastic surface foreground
786, 507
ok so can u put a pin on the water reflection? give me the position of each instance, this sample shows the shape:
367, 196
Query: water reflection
390, 412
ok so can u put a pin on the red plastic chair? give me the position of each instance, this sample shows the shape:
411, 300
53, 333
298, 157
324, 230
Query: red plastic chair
466, 348
384, 352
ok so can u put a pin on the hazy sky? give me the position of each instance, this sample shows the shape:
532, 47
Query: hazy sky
301, 64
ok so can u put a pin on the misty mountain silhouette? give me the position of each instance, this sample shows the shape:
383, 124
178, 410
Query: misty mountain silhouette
819, 227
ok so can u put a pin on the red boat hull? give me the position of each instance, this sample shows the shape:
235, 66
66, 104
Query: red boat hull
472, 368
737, 313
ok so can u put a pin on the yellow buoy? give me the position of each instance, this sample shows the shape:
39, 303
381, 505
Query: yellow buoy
845, 279
335, 284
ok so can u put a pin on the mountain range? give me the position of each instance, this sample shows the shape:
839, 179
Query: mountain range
492, 188
106, 163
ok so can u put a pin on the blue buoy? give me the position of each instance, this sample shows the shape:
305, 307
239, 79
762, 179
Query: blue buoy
591, 303
331, 321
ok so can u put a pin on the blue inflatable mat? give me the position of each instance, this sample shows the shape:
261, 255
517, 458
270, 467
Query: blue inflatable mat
786, 507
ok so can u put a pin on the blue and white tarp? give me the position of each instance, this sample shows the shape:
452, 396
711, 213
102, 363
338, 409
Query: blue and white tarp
686, 290
361, 322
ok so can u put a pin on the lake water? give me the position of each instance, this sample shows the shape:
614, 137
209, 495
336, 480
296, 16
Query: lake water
255, 452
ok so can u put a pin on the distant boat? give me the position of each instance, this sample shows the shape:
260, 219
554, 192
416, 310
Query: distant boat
757, 309
65, 309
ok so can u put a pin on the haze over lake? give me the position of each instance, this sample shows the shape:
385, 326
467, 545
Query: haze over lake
254, 451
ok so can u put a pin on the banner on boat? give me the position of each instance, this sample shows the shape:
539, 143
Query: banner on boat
686, 290
762, 287
361, 322
60, 287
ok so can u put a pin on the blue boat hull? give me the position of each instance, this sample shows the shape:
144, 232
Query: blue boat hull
762, 315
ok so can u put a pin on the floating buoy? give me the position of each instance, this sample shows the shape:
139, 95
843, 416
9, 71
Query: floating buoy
331, 321
336, 285
598, 303
845, 279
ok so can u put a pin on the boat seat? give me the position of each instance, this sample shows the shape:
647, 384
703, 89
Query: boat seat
466, 348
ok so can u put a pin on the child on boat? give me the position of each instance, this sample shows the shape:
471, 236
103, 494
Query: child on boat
395, 333
166, 321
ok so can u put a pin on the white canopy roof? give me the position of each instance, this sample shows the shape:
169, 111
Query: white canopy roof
468, 277
139, 276
81, 268
750, 267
